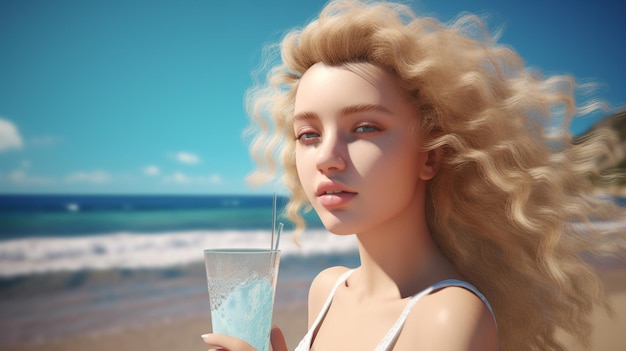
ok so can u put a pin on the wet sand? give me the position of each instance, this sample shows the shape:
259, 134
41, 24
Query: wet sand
180, 335
184, 334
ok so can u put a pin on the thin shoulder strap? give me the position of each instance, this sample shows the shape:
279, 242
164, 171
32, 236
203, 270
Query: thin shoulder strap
341, 280
389, 340
468, 286
305, 343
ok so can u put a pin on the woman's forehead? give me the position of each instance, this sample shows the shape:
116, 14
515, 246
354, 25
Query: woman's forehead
360, 76
368, 71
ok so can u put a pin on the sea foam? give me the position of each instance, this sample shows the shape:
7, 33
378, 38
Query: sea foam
156, 250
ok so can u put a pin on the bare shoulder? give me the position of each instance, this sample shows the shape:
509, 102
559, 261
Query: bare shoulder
451, 319
321, 287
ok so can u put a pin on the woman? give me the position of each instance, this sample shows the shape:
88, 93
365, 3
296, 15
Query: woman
452, 165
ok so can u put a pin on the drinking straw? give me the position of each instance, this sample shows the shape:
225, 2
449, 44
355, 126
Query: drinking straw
273, 221
275, 233
280, 230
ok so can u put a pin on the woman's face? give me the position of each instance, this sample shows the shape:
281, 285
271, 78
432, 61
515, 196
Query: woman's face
358, 152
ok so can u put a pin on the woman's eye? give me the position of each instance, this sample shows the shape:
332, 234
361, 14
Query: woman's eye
367, 128
307, 137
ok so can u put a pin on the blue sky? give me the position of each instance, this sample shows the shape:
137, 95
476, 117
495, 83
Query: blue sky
146, 97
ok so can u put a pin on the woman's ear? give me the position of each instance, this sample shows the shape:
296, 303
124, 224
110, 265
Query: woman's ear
431, 164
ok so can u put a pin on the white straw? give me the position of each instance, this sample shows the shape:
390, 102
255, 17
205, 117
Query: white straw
280, 230
273, 222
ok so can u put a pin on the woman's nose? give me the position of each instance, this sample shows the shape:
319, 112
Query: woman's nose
331, 154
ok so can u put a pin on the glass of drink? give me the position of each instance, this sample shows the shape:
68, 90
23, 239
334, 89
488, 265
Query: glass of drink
241, 285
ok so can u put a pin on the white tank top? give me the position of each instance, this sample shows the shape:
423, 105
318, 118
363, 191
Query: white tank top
389, 340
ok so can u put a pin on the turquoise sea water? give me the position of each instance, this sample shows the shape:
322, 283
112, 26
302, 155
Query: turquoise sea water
40, 233
80, 215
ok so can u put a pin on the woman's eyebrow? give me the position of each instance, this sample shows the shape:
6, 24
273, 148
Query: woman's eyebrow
348, 110
365, 108
302, 116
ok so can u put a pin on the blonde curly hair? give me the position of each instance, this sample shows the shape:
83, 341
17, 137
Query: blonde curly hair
513, 203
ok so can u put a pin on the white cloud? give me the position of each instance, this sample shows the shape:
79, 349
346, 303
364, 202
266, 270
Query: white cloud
95, 177
151, 170
214, 178
178, 177
187, 158
22, 177
10, 137
182, 178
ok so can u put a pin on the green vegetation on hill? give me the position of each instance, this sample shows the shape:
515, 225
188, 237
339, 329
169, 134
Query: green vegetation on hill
616, 122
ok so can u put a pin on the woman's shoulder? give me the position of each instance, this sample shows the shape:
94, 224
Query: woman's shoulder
329, 276
325, 281
321, 287
452, 318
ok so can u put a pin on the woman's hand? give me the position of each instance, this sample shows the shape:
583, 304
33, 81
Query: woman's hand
225, 342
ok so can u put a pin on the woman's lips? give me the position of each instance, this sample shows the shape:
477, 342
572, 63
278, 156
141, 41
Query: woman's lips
335, 199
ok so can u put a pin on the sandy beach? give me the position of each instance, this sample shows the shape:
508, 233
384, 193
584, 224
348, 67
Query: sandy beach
184, 334
179, 335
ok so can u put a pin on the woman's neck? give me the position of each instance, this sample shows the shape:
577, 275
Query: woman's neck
399, 260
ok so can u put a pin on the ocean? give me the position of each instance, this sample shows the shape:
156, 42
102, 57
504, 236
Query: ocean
80, 264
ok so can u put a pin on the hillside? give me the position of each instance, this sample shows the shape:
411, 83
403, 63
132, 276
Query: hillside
617, 122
